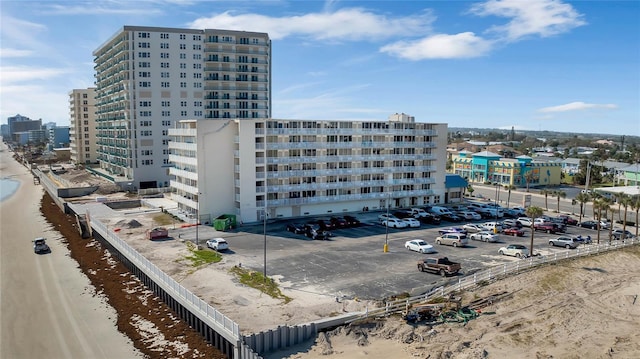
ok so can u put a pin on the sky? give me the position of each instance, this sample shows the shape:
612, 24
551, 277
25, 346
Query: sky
567, 66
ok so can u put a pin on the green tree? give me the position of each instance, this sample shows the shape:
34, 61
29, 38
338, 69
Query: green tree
582, 198
533, 212
509, 187
528, 178
470, 190
626, 201
619, 197
559, 194
635, 205
599, 205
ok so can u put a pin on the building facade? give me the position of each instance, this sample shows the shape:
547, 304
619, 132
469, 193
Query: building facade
522, 171
58, 137
295, 168
82, 129
149, 78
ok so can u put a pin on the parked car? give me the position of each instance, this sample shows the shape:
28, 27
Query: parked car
605, 224
430, 219
494, 227
589, 224
338, 222
583, 240
511, 223
568, 220
520, 210
484, 237
394, 223
419, 245
325, 224
352, 221
525, 221
296, 228
470, 215
451, 217
514, 250
411, 222
452, 230
513, 232
312, 230
621, 234
566, 242
382, 217
472, 227
453, 239
40, 246
218, 244
511, 213
419, 212
442, 266
560, 225
403, 214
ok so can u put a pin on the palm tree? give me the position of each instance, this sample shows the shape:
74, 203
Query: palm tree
582, 198
635, 205
528, 178
619, 196
533, 212
559, 194
509, 187
600, 204
546, 194
626, 202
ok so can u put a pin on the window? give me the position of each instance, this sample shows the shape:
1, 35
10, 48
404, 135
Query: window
144, 64
164, 36
164, 84
183, 84
164, 65
183, 37
145, 103
199, 113
197, 38
144, 84
255, 41
144, 35
183, 56
164, 45
183, 103
197, 66
145, 113
197, 75
166, 103
164, 74
144, 74
166, 113
84, 95
197, 56
144, 45
183, 47
166, 123
164, 55
146, 133
183, 65
197, 103
197, 47
144, 54
183, 75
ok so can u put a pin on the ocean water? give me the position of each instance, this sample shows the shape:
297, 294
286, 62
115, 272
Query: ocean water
8, 187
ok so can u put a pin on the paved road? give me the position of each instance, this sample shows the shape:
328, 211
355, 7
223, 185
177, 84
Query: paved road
47, 309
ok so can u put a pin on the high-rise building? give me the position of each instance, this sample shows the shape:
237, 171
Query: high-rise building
19, 123
82, 129
148, 78
294, 168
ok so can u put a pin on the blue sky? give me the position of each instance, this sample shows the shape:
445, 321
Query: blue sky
534, 65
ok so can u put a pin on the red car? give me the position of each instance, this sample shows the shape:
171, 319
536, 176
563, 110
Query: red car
514, 232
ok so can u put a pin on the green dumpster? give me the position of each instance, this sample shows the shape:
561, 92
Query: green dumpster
224, 222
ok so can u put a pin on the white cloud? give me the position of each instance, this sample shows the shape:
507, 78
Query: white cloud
106, 8
345, 24
442, 46
540, 17
16, 74
576, 106
7, 52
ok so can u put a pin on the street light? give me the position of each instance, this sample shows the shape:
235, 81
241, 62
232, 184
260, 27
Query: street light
385, 249
495, 229
264, 231
197, 219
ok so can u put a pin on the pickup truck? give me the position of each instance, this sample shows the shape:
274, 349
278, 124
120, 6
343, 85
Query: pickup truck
443, 266
548, 227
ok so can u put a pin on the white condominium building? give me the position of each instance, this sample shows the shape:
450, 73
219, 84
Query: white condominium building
149, 78
295, 168
82, 129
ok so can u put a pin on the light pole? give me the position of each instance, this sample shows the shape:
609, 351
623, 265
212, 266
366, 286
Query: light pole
385, 249
197, 220
497, 184
264, 232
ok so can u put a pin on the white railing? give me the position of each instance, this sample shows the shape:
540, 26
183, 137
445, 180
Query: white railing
493, 273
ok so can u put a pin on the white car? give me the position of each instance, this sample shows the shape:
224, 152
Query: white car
525, 221
492, 227
218, 244
394, 223
472, 227
470, 215
514, 250
384, 217
484, 237
418, 245
411, 222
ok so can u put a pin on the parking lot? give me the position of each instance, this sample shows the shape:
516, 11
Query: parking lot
353, 263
